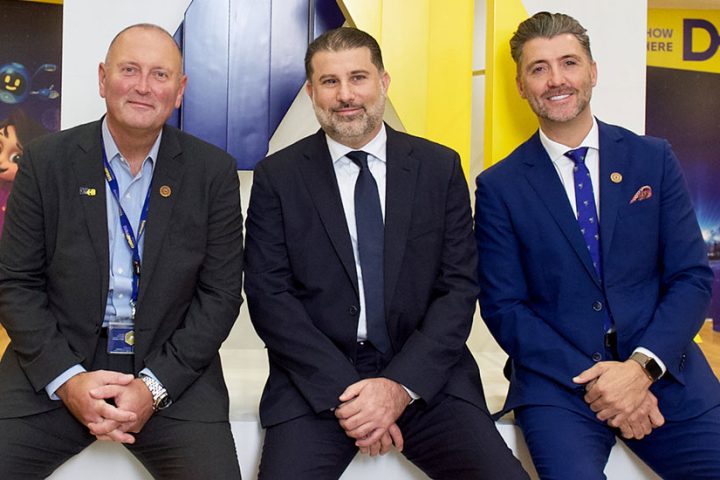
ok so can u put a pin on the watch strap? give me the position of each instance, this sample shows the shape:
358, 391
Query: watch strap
161, 399
648, 364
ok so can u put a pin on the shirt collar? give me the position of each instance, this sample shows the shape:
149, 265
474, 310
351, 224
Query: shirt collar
112, 152
557, 150
375, 147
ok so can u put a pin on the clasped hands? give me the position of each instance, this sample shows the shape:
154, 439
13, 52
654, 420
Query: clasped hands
86, 395
368, 413
619, 394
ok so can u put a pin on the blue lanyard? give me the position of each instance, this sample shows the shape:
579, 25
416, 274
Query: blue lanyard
130, 238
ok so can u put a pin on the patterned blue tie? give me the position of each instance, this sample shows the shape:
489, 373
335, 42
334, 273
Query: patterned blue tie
585, 202
587, 217
371, 246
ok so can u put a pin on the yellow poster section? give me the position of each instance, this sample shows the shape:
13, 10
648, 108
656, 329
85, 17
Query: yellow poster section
508, 119
665, 32
427, 50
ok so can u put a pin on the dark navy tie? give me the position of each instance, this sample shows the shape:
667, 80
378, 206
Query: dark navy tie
587, 216
371, 247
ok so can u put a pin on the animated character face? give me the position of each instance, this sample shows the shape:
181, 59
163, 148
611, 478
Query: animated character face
10, 153
14, 83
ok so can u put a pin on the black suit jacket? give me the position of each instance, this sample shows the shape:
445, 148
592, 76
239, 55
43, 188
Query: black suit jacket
54, 270
301, 282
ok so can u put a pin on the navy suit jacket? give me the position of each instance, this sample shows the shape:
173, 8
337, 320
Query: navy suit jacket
54, 268
540, 295
301, 282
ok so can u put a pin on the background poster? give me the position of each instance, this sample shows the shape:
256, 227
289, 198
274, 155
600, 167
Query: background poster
30, 76
683, 100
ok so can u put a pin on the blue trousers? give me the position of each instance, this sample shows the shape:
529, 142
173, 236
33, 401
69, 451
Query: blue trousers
565, 444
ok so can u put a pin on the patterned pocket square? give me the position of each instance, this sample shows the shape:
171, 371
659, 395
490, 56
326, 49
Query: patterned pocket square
644, 193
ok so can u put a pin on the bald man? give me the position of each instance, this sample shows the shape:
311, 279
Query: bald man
120, 276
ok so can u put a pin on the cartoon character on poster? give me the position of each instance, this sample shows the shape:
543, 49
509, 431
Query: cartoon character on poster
15, 131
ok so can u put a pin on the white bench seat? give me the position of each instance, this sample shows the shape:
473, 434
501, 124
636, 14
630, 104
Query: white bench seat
245, 373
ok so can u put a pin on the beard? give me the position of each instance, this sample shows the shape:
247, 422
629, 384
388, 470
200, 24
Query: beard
582, 100
346, 129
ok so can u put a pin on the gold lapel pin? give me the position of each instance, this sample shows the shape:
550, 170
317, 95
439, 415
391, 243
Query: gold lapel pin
90, 192
616, 177
165, 191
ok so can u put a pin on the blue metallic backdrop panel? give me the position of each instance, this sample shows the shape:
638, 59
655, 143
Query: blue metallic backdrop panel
244, 60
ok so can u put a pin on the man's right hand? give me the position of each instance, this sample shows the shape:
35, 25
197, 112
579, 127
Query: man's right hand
75, 394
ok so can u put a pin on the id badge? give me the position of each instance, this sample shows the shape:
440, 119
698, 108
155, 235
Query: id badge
121, 338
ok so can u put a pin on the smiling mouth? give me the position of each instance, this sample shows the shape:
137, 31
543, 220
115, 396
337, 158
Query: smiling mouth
558, 96
142, 105
10, 88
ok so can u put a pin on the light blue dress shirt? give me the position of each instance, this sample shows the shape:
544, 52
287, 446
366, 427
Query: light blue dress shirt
133, 191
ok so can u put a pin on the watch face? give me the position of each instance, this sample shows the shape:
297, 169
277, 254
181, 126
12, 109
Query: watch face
653, 369
163, 402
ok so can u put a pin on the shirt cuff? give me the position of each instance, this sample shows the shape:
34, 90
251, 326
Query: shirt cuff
148, 373
647, 352
52, 387
413, 396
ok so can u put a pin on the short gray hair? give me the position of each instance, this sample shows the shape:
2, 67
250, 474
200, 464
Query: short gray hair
547, 25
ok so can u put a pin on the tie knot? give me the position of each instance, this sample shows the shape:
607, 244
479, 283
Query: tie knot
359, 158
577, 155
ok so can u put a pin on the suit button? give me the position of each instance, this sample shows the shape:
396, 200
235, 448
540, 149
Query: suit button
353, 310
597, 305
596, 357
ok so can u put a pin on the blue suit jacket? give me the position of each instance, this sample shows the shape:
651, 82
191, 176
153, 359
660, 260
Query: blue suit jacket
540, 295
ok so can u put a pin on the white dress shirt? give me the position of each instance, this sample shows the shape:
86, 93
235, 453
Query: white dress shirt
346, 172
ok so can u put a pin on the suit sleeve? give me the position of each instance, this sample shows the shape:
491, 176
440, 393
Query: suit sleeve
504, 298
686, 278
43, 351
314, 364
217, 298
427, 358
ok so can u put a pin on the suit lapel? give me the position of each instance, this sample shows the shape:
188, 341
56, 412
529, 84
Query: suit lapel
544, 179
613, 160
319, 176
88, 167
167, 174
401, 178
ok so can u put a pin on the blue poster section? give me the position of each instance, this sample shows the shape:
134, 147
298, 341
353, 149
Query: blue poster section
245, 63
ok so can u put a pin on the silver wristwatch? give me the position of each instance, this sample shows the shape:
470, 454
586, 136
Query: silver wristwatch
161, 399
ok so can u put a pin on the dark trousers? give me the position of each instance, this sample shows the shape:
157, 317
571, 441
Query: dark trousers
33, 447
450, 439
565, 444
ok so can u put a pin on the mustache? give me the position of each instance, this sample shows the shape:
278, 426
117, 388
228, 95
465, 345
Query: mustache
559, 91
342, 106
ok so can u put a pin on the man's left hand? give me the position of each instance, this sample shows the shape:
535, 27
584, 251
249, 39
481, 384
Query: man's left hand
369, 407
615, 389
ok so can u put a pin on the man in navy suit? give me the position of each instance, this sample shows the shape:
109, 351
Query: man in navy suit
598, 318
362, 354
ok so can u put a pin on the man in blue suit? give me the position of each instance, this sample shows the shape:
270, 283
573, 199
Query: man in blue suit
596, 307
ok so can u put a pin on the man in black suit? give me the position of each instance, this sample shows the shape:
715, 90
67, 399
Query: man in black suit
360, 280
120, 276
